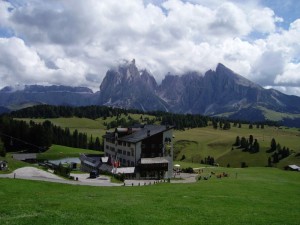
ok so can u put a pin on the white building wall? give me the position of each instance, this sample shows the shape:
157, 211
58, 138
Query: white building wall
117, 151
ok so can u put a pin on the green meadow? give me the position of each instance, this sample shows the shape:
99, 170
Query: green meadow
96, 127
197, 143
253, 195
248, 196
58, 152
55, 152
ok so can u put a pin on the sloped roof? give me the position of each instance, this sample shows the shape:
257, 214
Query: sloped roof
142, 133
294, 167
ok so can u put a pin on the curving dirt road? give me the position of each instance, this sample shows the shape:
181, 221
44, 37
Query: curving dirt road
32, 173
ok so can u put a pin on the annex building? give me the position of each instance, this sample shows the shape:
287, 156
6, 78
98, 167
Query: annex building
145, 151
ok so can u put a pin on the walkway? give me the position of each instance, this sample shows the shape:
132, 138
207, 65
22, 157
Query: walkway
32, 173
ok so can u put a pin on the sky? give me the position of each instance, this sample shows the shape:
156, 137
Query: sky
74, 42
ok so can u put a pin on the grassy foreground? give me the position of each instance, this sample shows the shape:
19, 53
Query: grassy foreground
256, 196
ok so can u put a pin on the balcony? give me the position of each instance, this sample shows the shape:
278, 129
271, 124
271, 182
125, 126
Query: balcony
156, 163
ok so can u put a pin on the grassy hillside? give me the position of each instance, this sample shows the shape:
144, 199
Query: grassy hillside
58, 152
96, 128
55, 152
12, 163
196, 144
277, 116
256, 196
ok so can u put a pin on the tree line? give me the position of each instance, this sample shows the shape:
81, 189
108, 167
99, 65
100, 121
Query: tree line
249, 145
179, 121
38, 137
278, 153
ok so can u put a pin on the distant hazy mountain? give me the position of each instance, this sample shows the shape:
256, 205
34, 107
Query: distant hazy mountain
216, 93
36, 94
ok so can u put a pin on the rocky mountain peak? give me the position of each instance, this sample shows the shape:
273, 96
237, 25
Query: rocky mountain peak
219, 92
148, 79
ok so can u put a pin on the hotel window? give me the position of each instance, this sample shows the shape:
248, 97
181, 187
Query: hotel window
128, 144
124, 152
128, 153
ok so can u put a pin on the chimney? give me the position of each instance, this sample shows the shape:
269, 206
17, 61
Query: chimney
148, 133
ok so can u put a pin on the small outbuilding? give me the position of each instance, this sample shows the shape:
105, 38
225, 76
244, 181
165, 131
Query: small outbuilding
292, 168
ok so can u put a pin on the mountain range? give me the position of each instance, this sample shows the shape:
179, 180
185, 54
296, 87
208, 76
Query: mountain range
215, 93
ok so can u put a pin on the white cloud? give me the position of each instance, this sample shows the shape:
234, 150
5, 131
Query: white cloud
18, 62
75, 42
263, 20
290, 76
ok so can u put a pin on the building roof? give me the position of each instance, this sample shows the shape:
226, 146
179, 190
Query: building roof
89, 163
24, 156
143, 133
156, 160
125, 170
294, 167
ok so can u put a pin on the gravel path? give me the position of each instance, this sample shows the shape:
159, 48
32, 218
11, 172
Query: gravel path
32, 173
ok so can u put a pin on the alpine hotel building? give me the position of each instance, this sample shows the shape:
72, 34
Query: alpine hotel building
147, 150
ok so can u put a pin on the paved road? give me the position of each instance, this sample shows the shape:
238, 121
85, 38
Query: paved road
32, 173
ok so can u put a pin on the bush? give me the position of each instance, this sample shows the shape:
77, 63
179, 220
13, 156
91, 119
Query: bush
62, 171
243, 165
188, 170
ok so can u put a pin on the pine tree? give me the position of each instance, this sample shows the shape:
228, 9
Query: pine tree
255, 146
237, 141
97, 144
273, 145
244, 143
251, 139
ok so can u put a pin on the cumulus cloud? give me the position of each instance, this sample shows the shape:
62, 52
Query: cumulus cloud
75, 42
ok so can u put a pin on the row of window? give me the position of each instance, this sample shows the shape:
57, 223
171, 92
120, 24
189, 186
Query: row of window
124, 143
124, 152
125, 162
120, 151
